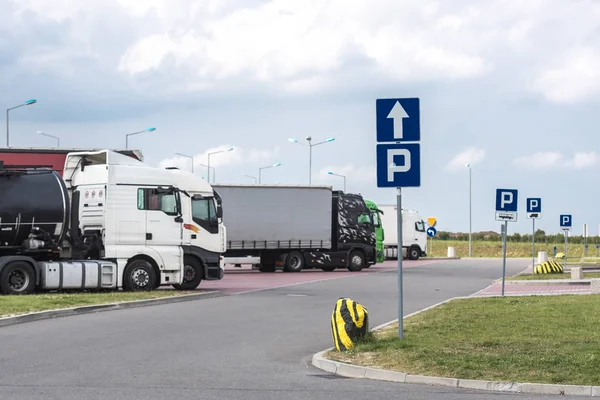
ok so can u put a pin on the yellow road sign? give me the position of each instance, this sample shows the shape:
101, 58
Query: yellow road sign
431, 221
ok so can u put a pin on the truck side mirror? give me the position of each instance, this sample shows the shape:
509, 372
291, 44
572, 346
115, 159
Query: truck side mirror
178, 219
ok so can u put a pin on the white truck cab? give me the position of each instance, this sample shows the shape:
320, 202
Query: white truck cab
414, 235
160, 226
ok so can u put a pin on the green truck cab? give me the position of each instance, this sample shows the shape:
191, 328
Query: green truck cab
375, 211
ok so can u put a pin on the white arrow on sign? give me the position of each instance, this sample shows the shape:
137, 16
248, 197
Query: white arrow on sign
398, 114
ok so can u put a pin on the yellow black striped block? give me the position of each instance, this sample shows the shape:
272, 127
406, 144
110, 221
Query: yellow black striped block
349, 322
548, 267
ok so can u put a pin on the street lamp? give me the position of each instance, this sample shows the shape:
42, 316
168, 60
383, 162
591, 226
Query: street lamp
270, 166
136, 133
209, 168
343, 176
45, 134
251, 177
470, 213
310, 146
26, 103
190, 157
215, 152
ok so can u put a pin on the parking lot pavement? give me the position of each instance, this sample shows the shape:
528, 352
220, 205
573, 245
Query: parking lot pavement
244, 280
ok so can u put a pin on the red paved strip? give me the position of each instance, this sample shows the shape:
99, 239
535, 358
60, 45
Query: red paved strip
520, 289
244, 280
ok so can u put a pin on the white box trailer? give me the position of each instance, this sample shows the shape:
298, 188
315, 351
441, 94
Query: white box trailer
414, 235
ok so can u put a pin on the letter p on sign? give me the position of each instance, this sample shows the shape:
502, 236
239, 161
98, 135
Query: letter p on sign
507, 198
534, 204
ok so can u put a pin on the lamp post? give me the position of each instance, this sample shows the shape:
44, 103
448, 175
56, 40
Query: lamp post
26, 103
45, 134
310, 146
470, 212
190, 157
214, 152
209, 168
343, 176
269, 166
136, 133
251, 177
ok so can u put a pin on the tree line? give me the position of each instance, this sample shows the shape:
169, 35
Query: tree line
540, 237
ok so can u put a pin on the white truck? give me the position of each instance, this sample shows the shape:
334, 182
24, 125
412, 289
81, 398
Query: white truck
414, 235
110, 222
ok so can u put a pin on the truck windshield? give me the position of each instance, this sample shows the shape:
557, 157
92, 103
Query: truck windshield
203, 210
375, 217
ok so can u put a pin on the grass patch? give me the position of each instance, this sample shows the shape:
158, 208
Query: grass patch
513, 249
22, 304
540, 339
586, 275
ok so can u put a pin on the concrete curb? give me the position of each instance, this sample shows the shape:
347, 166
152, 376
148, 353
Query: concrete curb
354, 371
65, 312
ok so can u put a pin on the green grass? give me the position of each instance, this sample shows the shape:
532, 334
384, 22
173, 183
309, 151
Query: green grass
586, 275
22, 304
536, 339
513, 249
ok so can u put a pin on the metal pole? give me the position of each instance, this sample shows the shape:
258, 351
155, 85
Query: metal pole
127, 141
259, 174
470, 216
504, 256
566, 240
533, 247
309, 164
344, 184
399, 228
7, 134
208, 169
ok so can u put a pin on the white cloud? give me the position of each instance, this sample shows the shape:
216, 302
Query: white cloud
237, 156
470, 156
576, 78
552, 159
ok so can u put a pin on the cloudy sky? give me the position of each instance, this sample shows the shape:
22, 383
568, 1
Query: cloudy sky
510, 86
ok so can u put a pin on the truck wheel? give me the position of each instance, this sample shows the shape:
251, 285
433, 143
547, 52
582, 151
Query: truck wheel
192, 274
414, 252
139, 276
294, 262
18, 277
328, 269
357, 261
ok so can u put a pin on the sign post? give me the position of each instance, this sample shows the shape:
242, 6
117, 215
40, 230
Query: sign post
431, 231
534, 211
506, 210
398, 163
566, 222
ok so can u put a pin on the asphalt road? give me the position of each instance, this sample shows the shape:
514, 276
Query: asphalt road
248, 346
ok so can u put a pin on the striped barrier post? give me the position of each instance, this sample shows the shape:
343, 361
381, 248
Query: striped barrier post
349, 322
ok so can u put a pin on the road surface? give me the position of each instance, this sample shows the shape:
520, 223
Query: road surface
246, 346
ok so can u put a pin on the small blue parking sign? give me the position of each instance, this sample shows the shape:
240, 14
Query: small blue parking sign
566, 221
506, 204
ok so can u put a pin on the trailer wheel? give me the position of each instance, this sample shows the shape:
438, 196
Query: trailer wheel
294, 262
357, 261
139, 276
17, 277
192, 274
414, 252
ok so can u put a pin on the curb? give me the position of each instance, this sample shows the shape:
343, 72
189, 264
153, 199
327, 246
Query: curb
65, 312
354, 371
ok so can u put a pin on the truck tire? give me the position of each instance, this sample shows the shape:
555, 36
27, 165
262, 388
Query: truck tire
192, 274
414, 252
294, 262
356, 261
17, 277
139, 276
